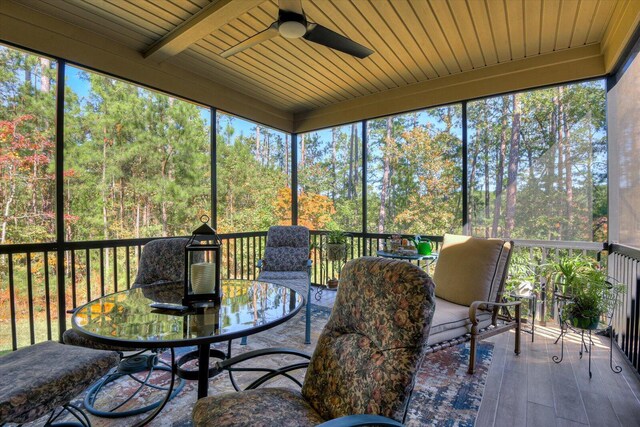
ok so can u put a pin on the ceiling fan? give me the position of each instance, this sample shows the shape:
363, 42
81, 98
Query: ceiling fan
292, 24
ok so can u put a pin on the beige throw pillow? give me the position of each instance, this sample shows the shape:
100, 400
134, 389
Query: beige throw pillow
470, 269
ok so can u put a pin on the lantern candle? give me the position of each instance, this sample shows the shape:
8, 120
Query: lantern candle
203, 277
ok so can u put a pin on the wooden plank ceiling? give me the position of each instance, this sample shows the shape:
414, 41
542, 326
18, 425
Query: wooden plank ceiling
414, 40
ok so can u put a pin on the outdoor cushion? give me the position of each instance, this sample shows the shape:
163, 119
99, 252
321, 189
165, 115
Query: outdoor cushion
267, 276
38, 378
285, 258
163, 261
374, 339
452, 320
288, 235
484, 261
299, 285
260, 408
365, 360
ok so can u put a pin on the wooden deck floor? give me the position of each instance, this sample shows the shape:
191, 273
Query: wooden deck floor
531, 390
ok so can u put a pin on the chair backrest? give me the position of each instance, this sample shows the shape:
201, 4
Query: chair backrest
287, 248
161, 261
370, 349
471, 269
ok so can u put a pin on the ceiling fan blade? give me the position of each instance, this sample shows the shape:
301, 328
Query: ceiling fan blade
262, 36
291, 6
318, 34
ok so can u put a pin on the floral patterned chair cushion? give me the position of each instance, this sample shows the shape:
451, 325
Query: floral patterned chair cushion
161, 261
374, 341
365, 361
286, 262
287, 248
41, 377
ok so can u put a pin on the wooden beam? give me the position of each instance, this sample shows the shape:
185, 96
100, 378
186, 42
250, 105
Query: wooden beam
200, 25
619, 32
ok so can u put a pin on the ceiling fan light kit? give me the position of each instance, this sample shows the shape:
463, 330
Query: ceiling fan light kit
291, 25
294, 25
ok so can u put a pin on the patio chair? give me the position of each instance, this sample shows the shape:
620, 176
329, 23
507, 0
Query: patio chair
41, 378
470, 276
286, 262
363, 368
161, 261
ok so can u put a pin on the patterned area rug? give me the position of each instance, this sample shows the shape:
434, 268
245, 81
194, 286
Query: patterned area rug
444, 395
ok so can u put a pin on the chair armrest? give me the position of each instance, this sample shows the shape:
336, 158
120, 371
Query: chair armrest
260, 264
361, 420
473, 308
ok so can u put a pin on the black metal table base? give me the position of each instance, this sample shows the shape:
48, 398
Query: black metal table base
585, 346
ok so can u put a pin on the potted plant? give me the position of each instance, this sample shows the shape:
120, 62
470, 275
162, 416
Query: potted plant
336, 245
585, 288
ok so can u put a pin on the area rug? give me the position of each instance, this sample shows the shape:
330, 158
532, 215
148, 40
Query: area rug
444, 394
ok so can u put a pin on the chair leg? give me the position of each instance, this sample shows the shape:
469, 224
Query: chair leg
518, 329
472, 354
307, 332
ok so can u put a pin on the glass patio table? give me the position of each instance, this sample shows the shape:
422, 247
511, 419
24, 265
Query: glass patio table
126, 319
411, 257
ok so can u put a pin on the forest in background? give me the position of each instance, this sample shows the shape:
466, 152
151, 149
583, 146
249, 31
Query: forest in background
137, 164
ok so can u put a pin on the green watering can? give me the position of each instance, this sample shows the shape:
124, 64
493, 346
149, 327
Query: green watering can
423, 245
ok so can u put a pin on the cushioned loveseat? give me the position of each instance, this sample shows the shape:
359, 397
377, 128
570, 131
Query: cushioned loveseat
470, 277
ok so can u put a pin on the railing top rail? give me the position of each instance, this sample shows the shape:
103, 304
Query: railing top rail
629, 251
95, 244
560, 244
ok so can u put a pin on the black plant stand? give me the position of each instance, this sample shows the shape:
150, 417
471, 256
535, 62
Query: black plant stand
586, 342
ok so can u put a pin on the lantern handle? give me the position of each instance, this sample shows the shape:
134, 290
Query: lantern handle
204, 219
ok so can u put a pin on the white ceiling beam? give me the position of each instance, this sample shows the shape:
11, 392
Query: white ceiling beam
200, 25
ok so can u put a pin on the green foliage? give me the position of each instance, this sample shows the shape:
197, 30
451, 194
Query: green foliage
585, 283
336, 237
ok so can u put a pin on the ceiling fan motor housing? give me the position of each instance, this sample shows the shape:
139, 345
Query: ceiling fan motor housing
291, 25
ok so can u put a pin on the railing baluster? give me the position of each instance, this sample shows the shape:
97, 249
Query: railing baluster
102, 293
12, 306
47, 295
88, 274
32, 334
128, 265
73, 279
115, 269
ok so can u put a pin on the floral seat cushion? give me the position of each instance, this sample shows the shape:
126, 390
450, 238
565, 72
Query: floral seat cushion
162, 261
365, 360
256, 408
41, 377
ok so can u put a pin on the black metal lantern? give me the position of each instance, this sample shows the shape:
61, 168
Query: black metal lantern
202, 261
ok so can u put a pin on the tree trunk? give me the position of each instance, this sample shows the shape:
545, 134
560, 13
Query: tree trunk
258, 153
286, 154
105, 222
7, 208
386, 176
512, 178
45, 83
350, 181
472, 174
497, 204
334, 178
566, 138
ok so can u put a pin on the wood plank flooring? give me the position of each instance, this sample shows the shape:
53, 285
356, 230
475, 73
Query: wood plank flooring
531, 390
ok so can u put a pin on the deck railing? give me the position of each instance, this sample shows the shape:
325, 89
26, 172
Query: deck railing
624, 265
33, 307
